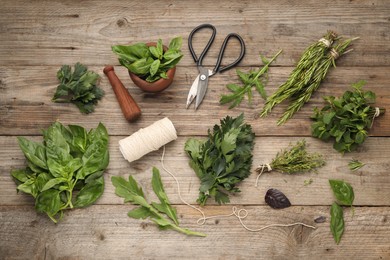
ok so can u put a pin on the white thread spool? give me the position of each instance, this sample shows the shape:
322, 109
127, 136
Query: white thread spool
147, 139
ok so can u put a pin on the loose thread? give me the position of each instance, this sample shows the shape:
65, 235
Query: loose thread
262, 167
240, 214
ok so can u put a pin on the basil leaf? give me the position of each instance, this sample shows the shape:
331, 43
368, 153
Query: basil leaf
34, 152
132, 53
343, 192
336, 222
79, 137
141, 66
90, 193
49, 202
154, 67
29, 187
21, 175
52, 182
41, 180
175, 44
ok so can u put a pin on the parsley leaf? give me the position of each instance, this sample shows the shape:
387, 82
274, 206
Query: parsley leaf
223, 160
78, 87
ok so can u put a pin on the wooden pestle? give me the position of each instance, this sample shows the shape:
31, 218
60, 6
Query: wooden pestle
129, 107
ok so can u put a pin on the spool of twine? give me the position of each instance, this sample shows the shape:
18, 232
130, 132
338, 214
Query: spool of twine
147, 139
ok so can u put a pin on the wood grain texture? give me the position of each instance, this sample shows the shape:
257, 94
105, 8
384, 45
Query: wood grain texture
17, 108
371, 183
38, 37
90, 233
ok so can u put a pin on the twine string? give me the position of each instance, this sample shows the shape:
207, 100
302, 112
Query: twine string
261, 168
240, 214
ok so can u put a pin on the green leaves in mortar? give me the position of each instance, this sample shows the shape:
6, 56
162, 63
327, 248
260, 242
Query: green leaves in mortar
150, 63
66, 170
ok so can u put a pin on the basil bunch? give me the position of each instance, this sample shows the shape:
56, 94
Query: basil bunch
150, 63
346, 119
66, 170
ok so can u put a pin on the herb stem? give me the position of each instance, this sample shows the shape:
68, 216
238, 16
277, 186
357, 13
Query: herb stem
264, 69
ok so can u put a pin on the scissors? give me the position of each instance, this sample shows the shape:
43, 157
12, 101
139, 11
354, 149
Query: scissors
199, 87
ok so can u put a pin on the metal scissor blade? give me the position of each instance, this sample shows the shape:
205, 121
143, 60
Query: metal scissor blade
202, 86
193, 91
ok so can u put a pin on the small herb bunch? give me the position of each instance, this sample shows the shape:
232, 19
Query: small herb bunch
293, 160
346, 119
254, 78
223, 160
355, 164
150, 63
79, 87
344, 194
66, 170
163, 214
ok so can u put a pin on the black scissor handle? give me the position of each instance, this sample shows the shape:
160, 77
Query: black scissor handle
218, 67
199, 60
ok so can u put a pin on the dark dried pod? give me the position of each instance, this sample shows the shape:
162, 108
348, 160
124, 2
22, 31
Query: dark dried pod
276, 199
320, 219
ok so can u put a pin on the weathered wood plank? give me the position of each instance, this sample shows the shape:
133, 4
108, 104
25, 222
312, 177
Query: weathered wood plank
105, 232
39, 33
371, 183
26, 107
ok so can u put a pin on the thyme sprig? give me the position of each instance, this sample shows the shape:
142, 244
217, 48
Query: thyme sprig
296, 159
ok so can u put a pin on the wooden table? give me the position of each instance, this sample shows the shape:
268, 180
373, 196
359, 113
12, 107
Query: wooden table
37, 37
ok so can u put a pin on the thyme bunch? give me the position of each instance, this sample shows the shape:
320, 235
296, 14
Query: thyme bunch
296, 159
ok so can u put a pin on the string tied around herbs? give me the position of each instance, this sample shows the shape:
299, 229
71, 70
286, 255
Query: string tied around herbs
376, 114
292, 160
240, 214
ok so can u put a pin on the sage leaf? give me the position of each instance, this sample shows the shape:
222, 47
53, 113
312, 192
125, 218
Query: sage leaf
336, 222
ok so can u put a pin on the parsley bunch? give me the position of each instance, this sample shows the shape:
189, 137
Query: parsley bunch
346, 119
223, 160
78, 87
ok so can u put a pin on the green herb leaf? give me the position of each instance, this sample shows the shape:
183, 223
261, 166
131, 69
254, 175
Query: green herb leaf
222, 161
79, 87
336, 222
74, 164
249, 80
150, 63
160, 192
346, 119
131, 192
355, 165
343, 192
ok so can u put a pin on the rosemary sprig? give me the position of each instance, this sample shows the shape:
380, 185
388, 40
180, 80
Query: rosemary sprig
302, 73
303, 95
355, 164
293, 160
